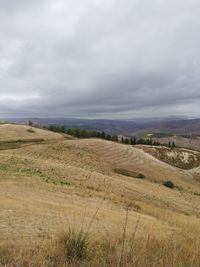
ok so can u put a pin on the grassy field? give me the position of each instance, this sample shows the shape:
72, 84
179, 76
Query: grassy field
83, 203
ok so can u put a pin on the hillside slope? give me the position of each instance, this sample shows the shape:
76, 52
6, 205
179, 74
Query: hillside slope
46, 187
178, 157
14, 132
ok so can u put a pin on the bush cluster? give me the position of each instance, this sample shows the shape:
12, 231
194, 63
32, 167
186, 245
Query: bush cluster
169, 184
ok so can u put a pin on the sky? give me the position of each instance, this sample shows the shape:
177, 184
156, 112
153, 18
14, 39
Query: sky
99, 59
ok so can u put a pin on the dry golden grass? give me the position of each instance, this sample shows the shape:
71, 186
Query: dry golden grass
45, 188
14, 132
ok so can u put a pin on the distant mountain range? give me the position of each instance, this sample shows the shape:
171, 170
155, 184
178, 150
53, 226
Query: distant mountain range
128, 127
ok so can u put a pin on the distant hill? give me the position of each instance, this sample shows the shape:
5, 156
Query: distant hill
126, 127
191, 126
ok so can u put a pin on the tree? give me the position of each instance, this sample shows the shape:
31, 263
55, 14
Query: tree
62, 129
30, 123
169, 184
93, 134
156, 143
133, 141
126, 141
108, 136
98, 135
114, 138
103, 135
173, 145
149, 142
141, 141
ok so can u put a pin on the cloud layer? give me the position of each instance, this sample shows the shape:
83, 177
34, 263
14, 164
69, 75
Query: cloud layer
99, 59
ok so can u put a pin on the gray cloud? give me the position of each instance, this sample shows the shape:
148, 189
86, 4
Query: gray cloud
101, 59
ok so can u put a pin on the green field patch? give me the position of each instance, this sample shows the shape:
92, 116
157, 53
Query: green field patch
56, 181
45, 177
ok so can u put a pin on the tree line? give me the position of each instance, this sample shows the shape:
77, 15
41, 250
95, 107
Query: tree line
145, 141
82, 133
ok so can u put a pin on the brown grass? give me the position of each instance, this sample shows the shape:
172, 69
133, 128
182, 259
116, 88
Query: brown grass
14, 132
82, 249
47, 188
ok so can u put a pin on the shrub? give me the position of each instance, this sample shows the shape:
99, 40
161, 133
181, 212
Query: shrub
30, 130
129, 173
141, 176
74, 244
169, 184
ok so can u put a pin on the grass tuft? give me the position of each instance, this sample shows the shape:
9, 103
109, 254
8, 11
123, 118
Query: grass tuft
74, 244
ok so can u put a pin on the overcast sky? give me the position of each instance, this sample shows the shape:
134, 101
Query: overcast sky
99, 59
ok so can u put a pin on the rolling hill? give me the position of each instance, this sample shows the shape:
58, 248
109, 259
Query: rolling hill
14, 132
47, 186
